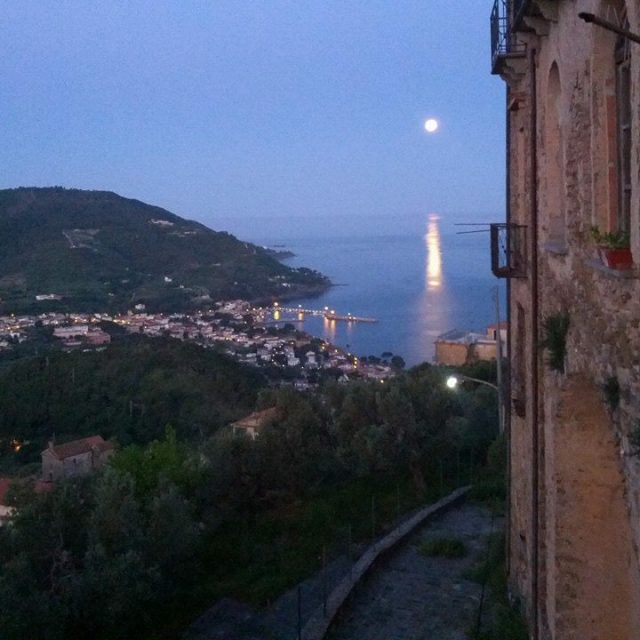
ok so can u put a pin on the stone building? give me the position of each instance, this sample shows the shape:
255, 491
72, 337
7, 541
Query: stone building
255, 422
456, 348
572, 74
75, 458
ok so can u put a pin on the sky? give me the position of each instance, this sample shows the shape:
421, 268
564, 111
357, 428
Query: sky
256, 109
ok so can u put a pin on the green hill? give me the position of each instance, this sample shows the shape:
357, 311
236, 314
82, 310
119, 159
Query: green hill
95, 250
130, 391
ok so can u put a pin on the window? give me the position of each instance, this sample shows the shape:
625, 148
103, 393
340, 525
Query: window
623, 125
519, 365
553, 202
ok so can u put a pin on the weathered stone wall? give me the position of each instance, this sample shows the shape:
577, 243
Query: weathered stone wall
589, 481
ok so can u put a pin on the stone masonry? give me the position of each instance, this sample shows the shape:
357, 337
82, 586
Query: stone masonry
574, 529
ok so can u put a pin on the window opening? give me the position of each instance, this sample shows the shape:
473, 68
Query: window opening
623, 101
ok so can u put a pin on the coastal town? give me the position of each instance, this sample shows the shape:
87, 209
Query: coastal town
244, 332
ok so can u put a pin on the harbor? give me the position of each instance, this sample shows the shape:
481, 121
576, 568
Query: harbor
279, 313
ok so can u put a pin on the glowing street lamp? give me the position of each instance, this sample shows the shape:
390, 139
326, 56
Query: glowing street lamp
453, 381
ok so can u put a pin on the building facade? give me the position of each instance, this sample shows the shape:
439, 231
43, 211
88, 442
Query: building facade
75, 458
572, 74
457, 348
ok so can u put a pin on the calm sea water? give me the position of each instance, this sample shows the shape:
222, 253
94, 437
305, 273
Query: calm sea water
416, 275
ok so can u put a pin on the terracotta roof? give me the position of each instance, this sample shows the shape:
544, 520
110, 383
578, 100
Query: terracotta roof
78, 447
257, 419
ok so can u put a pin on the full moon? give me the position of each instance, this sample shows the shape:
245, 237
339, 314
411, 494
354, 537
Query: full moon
431, 125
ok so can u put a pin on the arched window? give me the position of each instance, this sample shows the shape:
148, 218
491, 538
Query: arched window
554, 162
611, 122
623, 127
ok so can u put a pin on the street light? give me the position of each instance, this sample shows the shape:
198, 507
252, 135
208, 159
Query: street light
452, 383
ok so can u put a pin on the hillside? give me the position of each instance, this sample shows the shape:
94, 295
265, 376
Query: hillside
130, 391
95, 250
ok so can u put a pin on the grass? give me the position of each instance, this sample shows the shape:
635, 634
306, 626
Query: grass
258, 558
443, 548
500, 619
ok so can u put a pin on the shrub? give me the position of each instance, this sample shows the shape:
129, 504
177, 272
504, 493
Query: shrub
555, 329
443, 547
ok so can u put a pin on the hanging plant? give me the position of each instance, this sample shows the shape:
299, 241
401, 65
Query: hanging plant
634, 441
611, 389
613, 248
555, 328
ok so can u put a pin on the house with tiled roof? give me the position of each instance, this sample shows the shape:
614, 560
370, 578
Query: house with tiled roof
75, 458
255, 422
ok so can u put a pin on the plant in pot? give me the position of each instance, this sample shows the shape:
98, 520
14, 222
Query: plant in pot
613, 248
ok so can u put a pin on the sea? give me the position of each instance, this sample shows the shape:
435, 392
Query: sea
419, 276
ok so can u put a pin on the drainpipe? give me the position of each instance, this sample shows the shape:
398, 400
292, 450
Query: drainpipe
535, 471
506, 391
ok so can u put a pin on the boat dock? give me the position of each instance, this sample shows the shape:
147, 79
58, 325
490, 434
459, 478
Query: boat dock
298, 315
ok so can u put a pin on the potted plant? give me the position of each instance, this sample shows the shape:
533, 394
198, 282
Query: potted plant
613, 248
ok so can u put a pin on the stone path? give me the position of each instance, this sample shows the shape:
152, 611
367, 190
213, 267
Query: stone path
407, 596
413, 597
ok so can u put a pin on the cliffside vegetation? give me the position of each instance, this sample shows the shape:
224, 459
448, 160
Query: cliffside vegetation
129, 392
186, 518
97, 251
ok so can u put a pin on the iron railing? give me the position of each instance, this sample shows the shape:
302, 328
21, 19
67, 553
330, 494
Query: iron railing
504, 44
508, 250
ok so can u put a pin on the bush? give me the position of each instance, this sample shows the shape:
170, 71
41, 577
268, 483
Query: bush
444, 548
555, 329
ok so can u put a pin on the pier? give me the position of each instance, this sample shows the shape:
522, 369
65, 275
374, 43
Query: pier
298, 314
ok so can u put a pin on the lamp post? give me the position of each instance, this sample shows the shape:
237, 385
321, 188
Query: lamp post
452, 383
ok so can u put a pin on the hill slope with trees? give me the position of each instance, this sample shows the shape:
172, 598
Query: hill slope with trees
99, 251
130, 391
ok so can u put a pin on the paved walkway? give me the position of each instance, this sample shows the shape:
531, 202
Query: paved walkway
418, 598
407, 596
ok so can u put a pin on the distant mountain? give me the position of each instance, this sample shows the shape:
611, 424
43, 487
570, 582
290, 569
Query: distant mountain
95, 250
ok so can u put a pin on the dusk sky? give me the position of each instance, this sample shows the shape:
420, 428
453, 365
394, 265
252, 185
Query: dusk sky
238, 109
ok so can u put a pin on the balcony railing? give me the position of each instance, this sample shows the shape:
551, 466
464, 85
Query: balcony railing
504, 43
509, 250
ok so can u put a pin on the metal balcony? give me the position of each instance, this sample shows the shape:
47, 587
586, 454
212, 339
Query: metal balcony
504, 43
508, 250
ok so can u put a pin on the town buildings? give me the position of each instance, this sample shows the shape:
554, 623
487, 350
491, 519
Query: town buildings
456, 348
254, 423
75, 458
573, 164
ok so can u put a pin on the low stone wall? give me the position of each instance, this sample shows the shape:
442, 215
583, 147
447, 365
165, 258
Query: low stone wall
319, 623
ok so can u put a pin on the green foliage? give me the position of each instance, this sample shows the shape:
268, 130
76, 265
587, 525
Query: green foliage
500, 620
444, 548
490, 487
159, 461
482, 370
613, 240
91, 560
129, 391
611, 389
555, 328
183, 517
104, 252
634, 440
